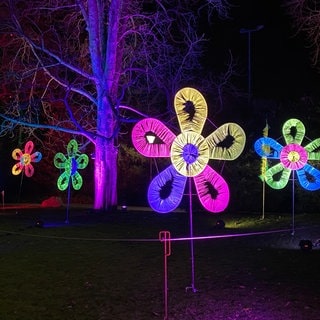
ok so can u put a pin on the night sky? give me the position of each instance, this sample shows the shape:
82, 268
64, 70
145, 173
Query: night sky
280, 61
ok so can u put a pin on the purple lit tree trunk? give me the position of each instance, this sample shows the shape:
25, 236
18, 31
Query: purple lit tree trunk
105, 175
105, 167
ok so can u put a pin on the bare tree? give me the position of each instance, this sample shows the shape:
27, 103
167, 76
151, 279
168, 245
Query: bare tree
306, 20
71, 66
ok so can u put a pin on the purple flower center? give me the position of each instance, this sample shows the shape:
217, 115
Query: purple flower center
190, 153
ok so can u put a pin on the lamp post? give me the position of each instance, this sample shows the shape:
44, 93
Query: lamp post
150, 138
248, 32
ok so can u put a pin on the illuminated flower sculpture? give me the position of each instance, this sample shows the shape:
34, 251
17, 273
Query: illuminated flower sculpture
293, 157
25, 160
189, 152
70, 164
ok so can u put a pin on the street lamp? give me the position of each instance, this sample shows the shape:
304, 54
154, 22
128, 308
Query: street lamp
150, 138
248, 32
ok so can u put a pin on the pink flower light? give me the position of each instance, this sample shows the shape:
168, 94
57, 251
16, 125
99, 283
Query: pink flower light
25, 160
293, 156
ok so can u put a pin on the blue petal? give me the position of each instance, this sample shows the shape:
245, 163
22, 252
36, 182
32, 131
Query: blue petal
309, 177
166, 190
268, 147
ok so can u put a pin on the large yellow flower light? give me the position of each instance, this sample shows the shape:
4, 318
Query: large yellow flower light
190, 153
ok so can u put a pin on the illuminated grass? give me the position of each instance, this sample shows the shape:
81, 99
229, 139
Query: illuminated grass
59, 273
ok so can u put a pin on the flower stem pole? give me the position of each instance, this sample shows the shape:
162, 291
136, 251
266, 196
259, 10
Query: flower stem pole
164, 236
68, 202
293, 228
20, 188
192, 287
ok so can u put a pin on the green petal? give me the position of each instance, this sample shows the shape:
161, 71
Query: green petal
76, 181
277, 176
60, 160
72, 148
63, 181
293, 131
313, 149
82, 161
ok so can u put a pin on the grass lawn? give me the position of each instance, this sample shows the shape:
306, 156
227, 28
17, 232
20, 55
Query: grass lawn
110, 267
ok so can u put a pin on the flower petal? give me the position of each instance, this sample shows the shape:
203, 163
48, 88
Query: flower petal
268, 147
227, 142
60, 160
76, 181
293, 131
17, 168
72, 148
28, 147
36, 157
166, 190
313, 149
63, 181
191, 109
189, 153
309, 177
277, 176
17, 154
212, 189
82, 161
29, 170
163, 138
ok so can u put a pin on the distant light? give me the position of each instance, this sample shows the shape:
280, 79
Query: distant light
150, 138
39, 224
220, 224
124, 208
305, 245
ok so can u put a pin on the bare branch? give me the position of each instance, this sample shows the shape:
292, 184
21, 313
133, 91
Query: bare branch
306, 20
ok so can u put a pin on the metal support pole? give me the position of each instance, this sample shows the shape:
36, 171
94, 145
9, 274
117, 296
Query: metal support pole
248, 32
164, 236
192, 287
293, 222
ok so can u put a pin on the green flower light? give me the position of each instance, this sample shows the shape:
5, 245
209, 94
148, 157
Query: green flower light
71, 164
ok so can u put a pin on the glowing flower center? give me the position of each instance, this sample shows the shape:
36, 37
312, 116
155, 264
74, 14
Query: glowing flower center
293, 156
25, 159
71, 166
190, 153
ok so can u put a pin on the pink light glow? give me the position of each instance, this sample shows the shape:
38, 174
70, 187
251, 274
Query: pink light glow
293, 156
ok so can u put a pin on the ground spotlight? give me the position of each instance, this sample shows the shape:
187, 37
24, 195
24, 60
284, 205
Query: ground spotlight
39, 224
220, 224
305, 245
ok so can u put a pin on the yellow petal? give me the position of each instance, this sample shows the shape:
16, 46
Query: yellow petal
227, 142
191, 109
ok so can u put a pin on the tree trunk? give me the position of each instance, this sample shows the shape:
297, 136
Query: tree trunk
105, 166
105, 175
